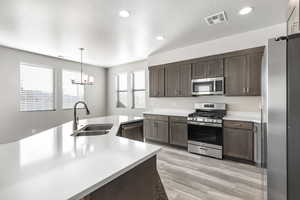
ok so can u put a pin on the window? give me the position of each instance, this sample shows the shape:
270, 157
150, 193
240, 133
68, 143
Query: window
122, 90
71, 93
36, 88
138, 89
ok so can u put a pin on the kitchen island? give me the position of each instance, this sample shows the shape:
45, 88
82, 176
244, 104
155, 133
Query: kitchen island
55, 165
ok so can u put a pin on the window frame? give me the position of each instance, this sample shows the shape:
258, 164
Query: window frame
54, 91
118, 91
62, 89
133, 90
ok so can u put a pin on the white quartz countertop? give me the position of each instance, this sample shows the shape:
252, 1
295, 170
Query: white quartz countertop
236, 116
55, 165
254, 117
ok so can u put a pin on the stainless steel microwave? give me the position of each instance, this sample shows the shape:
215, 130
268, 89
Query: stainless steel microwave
209, 86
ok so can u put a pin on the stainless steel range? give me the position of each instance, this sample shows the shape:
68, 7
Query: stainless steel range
205, 129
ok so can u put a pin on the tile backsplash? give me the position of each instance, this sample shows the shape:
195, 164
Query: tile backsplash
239, 104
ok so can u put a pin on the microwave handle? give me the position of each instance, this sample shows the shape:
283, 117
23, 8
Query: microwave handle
214, 86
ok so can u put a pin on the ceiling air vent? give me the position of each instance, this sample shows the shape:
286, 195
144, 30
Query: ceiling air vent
216, 18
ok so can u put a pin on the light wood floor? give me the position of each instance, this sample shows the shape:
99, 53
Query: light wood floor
187, 176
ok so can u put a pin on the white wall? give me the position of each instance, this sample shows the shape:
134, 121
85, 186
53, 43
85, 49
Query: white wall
15, 124
222, 45
236, 42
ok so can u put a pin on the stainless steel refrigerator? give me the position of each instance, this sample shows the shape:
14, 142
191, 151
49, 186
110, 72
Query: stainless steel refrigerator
293, 117
283, 135
277, 116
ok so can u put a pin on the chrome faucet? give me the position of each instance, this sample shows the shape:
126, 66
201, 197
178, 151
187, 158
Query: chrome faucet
75, 121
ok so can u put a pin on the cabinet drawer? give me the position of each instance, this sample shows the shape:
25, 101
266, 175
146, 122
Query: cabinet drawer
178, 119
156, 117
132, 125
238, 124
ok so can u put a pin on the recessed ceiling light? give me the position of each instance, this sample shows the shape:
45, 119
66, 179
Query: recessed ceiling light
124, 13
160, 37
246, 10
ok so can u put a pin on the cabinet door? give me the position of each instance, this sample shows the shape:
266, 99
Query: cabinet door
215, 68
173, 80
238, 143
133, 131
254, 75
157, 81
161, 82
185, 80
199, 70
152, 82
178, 133
236, 76
162, 131
149, 129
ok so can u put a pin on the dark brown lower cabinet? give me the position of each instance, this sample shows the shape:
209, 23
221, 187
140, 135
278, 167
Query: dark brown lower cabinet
165, 129
238, 140
161, 129
133, 131
139, 183
178, 131
156, 128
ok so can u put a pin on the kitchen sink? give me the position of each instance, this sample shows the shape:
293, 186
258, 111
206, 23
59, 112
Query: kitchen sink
93, 130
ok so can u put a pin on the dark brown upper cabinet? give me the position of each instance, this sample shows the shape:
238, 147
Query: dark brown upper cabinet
254, 74
178, 80
172, 80
241, 69
235, 76
243, 74
157, 81
211, 68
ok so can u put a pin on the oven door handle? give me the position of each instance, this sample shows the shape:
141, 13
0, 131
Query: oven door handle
205, 124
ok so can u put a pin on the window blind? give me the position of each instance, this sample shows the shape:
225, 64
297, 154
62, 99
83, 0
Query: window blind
36, 88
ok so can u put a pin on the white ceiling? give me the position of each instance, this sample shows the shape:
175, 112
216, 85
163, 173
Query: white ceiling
60, 27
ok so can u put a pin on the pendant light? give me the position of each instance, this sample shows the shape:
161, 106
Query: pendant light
83, 80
